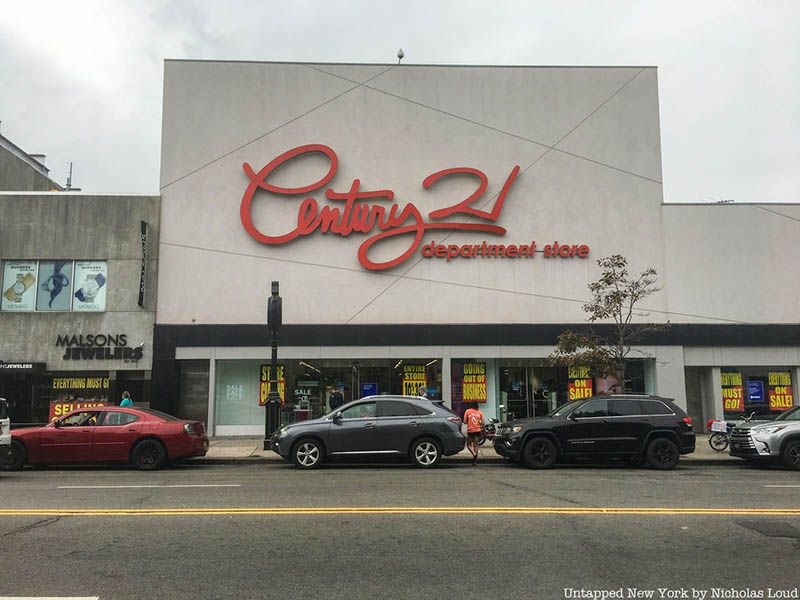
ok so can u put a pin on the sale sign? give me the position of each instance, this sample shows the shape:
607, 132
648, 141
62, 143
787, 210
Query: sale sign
579, 383
473, 382
732, 391
263, 388
779, 391
413, 377
59, 409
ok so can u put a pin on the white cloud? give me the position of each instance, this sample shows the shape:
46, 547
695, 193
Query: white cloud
81, 80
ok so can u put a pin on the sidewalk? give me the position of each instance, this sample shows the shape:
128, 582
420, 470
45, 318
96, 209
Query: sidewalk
225, 450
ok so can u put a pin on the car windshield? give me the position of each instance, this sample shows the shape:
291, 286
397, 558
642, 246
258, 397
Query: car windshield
158, 413
563, 409
790, 415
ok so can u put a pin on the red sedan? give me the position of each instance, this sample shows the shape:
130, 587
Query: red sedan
147, 438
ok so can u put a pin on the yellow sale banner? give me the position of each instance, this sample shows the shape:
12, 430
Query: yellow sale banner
779, 391
413, 377
263, 388
473, 382
732, 391
579, 383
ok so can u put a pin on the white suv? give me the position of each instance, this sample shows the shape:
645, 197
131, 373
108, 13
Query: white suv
5, 433
773, 440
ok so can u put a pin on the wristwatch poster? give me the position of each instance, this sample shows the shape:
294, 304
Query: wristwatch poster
19, 285
89, 285
55, 285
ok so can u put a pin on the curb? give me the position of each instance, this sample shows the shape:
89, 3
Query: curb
265, 460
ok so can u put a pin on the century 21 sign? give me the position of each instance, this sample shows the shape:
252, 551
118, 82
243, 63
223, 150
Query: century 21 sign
361, 211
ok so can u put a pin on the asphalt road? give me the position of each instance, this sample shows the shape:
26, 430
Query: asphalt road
392, 531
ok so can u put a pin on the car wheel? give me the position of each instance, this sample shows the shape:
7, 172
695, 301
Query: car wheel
791, 455
539, 453
149, 455
18, 457
426, 453
662, 454
308, 454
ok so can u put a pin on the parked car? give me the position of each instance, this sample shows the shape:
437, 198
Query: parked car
771, 441
147, 438
619, 425
411, 426
5, 433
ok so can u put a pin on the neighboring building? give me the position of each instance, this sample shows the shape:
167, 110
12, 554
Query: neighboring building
71, 326
23, 172
382, 292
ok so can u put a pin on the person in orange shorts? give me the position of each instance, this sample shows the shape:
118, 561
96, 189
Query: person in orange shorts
473, 417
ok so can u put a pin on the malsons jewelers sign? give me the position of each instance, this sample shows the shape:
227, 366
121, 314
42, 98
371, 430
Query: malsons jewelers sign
356, 215
98, 347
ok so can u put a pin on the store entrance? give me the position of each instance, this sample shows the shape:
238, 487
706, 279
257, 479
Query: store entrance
17, 389
529, 388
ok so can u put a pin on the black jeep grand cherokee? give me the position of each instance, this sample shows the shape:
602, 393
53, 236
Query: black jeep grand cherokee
619, 425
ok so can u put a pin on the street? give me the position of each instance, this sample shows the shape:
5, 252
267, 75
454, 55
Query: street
392, 531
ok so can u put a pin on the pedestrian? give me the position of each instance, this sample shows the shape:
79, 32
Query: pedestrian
126, 400
422, 391
336, 399
473, 417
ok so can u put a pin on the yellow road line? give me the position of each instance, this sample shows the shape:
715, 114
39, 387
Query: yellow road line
394, 510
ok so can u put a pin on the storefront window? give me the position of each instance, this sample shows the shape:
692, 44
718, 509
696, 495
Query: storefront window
531, 388
312, 388
765, 391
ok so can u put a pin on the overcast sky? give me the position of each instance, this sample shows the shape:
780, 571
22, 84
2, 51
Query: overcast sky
82, 81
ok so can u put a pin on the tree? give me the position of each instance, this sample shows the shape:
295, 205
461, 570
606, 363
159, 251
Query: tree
615, 297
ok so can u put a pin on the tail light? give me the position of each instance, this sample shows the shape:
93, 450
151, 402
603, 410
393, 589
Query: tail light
688, 421
189, 428
455, 420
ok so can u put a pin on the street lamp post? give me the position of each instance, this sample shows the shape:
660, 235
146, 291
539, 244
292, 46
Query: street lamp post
273, 405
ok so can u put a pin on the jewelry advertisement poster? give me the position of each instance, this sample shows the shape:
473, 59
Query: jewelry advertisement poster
90, 286
19, 285
55, 285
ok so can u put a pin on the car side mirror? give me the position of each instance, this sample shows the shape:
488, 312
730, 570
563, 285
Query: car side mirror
56, 424
337, 417
571, 416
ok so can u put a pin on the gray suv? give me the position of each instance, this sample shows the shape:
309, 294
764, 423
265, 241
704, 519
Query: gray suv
376, 425
769, 441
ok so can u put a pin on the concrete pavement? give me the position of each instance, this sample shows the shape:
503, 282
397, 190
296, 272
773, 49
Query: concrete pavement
250, 449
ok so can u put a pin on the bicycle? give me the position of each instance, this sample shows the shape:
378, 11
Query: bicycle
719, 440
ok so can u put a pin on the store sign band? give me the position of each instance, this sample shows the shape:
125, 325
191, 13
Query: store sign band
356, 215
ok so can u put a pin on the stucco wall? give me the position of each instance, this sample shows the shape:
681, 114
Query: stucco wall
732, 262
586, 139
70, 226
